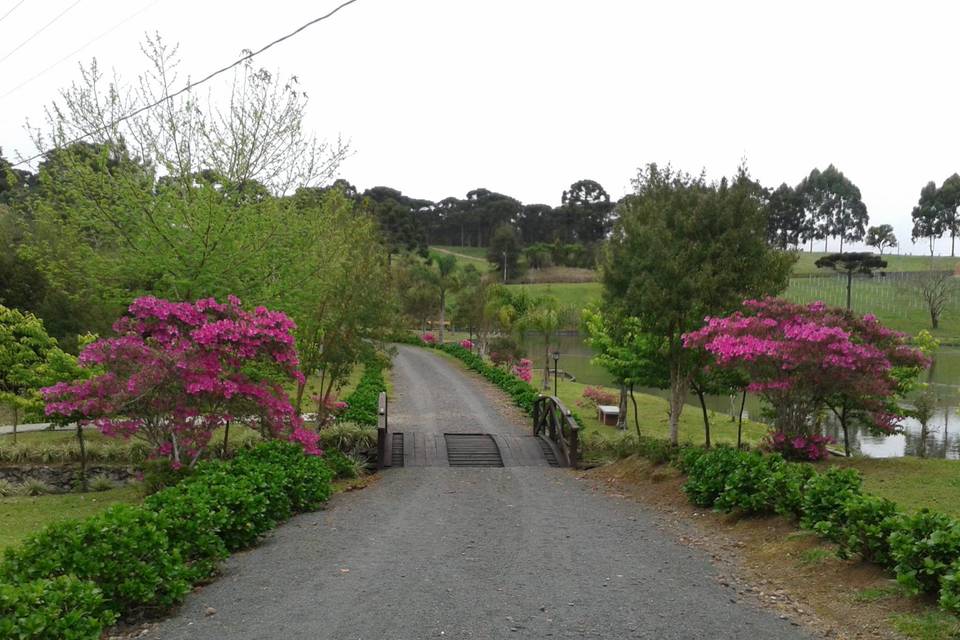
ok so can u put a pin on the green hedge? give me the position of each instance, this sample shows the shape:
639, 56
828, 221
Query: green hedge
922, 550
73, 578
363, 402
56, 609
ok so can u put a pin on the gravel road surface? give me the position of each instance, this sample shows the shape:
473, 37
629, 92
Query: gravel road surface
485, 553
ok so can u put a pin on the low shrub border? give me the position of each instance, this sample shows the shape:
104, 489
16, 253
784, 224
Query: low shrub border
74, 578
921, 550
362, 403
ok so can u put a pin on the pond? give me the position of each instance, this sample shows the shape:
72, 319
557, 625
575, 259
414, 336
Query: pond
943, 437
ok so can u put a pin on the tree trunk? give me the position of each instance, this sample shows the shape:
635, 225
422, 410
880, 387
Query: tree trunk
849, 286
678, 391
706, 416
622, 408
953, 238
841, 243
443, 312
743, 402
636, 413
16, 416
846, 434
83, 458
301, 386
226, 440
825, 244
934, 319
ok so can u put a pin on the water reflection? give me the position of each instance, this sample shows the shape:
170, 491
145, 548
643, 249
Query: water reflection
943, 435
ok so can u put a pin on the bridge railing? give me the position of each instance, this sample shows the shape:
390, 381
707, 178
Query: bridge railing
384, 453
553, 421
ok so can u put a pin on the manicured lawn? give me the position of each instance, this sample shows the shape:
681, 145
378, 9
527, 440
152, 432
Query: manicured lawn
912, 483
652, 412
21, 516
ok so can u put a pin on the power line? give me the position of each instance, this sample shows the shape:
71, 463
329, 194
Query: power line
11, 10
40, 30
189, 85
79, 49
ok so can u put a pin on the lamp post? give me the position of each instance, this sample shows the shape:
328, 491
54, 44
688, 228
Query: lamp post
504, 267
556, 365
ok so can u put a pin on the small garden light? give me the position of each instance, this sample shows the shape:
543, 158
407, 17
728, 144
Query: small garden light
556, 364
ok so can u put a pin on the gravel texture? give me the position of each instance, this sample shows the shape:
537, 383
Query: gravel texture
438, 552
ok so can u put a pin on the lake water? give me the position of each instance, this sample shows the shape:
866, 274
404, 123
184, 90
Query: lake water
943, 437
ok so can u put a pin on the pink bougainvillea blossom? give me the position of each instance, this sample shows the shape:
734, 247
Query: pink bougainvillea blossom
176, 371
467, 343
429, 338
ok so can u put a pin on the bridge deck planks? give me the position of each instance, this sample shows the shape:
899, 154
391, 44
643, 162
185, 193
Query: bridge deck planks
429, 449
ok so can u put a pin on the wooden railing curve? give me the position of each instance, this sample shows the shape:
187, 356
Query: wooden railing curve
384, 444
553, 421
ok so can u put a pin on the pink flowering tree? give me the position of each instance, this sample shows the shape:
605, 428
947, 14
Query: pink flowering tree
176, 371
803, 358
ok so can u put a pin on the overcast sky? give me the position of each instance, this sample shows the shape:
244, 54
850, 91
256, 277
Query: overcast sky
523, 97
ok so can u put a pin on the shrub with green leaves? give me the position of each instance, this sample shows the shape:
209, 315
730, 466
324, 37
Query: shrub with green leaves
248, 513
195, 521
53, 609
747, 485
823, 498
950, 589
924, 547
707, 474
124, 550
786, 487
865, 528
305, 479
349, 438
364, 402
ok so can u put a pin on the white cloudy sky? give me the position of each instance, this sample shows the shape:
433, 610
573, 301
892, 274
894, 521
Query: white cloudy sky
526, 96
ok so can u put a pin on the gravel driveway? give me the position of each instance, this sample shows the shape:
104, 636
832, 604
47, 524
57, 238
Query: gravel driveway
439, 552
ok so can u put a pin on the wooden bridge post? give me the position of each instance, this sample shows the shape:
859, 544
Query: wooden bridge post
384, 453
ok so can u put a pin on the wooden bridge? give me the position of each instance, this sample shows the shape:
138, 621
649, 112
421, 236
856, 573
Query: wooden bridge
554, 441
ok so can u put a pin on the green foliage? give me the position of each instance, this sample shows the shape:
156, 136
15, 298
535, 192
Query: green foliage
340, 463
950, 589
304, 479
29, 360
865, 528
707, 474
62, 608
124, 550
101, 483
924, 546
348, 438
823, 500
364, 401
504, 251
600, 446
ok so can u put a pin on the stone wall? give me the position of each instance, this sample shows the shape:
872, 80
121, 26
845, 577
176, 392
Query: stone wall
62, 477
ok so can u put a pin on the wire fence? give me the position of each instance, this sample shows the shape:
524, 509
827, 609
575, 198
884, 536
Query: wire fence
889, 296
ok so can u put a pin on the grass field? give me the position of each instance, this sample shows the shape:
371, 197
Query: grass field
21, 516
896, 303
805, 263
652, 412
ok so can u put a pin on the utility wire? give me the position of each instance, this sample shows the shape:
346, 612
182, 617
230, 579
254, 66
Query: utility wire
189, 86
40, 30
79, 49
11, 10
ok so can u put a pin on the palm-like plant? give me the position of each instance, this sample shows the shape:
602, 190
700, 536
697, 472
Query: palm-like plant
545, 317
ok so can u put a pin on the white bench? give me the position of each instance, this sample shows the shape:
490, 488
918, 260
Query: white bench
608, 414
